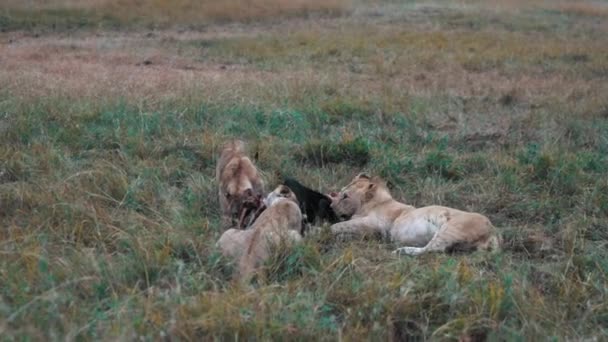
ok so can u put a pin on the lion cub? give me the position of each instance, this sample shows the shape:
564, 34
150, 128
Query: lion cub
240, 187
279, 224
426, 229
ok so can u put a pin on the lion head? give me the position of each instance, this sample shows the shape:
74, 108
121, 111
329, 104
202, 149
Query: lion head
343, 206
236, 180
362, 190
282, 192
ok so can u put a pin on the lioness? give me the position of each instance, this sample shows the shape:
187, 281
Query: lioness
240, 187
426, 229
279, 223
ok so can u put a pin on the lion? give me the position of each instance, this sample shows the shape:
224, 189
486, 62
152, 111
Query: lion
240, 187
278, 225
421, 230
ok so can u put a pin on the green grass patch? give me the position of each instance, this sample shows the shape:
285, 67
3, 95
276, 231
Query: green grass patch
353, 152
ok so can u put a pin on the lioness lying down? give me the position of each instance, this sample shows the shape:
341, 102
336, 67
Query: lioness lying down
278, 225
426, 229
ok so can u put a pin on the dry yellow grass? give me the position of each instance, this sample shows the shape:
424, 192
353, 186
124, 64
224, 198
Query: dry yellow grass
189, 11
225, 10
146, 73
585, 8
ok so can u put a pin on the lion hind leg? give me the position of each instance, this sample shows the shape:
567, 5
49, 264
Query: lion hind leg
437, 244
441, 243
419, 250
409, 250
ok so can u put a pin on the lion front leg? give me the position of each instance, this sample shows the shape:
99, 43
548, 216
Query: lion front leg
227, 221
358, 226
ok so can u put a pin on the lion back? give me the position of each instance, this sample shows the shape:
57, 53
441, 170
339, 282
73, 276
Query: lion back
270, 229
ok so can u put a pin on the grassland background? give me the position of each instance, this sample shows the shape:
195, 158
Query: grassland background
111, 114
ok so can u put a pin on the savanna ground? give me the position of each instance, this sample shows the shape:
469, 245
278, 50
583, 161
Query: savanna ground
112, 113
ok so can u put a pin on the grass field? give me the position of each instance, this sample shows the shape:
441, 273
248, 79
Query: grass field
112, 113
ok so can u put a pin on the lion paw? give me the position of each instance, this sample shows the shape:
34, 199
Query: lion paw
408, 251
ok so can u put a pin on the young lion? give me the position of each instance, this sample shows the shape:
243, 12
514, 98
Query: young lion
279, 223
427, 229
240, 187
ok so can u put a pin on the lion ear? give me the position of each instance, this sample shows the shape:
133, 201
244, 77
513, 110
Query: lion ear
378, 180
371, 190
285, 190
363, 175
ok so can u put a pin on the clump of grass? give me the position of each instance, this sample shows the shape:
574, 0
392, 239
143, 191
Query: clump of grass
599, 198
583, 9
440, 162
290, 263
557, 172
321, 152
396, 169
55, 19
339, 109
188, 11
